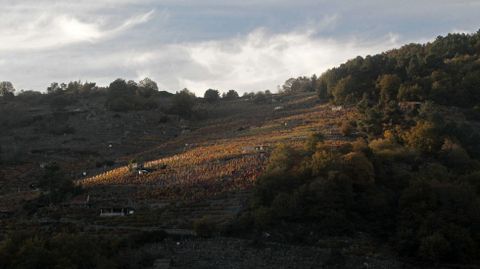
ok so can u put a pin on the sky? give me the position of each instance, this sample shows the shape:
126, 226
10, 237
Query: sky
247, 45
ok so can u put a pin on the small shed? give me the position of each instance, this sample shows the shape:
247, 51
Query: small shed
116, 211
262, 148
337, 108
116, 208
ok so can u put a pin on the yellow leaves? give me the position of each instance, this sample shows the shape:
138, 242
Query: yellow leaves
360, 167
424, 137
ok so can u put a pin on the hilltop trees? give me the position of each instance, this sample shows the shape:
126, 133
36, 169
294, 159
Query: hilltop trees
301, 84
445, 71
125, 96
55, 88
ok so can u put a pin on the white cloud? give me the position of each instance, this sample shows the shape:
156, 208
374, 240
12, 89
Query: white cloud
261, 60
47, 30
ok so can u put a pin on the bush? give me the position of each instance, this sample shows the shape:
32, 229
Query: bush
439, 222
425, 137
312, 142
150, 237
283, 206
455, 156
347, 128
281, 159
263, 217
322, 160
389, 150
204, 227
359, 167
260, 98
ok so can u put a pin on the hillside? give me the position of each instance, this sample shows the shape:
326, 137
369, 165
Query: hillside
373, 164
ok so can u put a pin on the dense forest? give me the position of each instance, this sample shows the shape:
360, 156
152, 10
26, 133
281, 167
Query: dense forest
411, 177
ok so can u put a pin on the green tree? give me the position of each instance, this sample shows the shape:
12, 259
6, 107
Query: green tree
345, 91
147, 87
388, 86
231, 94
411, 93
211, 95
183, 103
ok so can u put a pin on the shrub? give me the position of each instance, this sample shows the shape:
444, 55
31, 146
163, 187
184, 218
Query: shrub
390, 150
204, 227
455, 156
283, 206
281, 159
424, 137
312, 142
147, 237
263, 217
347, 128
260, 98
431, 215
322, 160
359, 167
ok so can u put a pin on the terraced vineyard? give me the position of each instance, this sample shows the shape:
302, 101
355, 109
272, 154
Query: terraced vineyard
228, 159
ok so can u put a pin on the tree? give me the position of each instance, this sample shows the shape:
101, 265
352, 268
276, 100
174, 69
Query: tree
345, 91
287, 86
281, 159
359, 167
411, 93
260, 98
312, 142
388, 86
147, 87
231, 94
183, 102
118, 87
55, 182
322, 88
6, 89
425, 137
148, 83
211, 95
371, 121
54, 88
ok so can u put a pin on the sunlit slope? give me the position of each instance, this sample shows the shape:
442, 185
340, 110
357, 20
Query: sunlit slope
227, 160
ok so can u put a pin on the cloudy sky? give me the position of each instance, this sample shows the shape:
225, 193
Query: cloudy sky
245, 45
